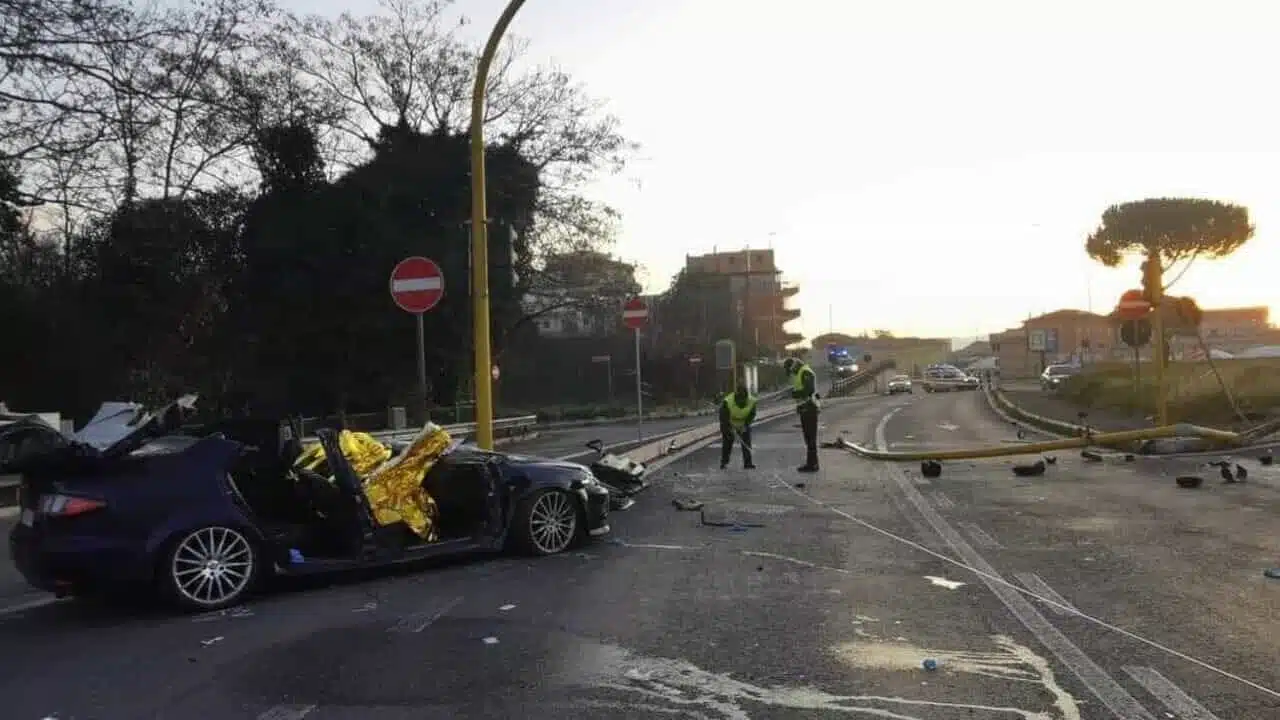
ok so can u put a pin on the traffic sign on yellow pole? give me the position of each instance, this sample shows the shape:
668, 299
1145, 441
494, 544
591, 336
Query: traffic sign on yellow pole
480, 235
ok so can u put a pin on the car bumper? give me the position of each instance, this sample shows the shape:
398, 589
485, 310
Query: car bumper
899, 388
74, 564
596, 509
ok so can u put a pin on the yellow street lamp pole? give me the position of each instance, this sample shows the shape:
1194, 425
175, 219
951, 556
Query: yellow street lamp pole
480, 235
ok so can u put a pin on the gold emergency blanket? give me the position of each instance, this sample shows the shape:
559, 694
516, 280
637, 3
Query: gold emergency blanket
392, 485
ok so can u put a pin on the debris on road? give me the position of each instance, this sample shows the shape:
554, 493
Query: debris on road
687, 504
491, 640
1273, 573
930, 664
1051, 459
943, 582
211, 641
931, 468
721, 519
1189, 481
1266, 459
1034, 469
1091, 456
507, 607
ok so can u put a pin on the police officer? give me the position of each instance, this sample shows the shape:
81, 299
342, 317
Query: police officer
804, 390
737, 412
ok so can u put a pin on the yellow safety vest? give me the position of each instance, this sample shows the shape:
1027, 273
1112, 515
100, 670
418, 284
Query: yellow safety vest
797, 383
738, 413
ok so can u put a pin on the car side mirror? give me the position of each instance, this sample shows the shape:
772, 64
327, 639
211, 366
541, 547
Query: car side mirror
596, 445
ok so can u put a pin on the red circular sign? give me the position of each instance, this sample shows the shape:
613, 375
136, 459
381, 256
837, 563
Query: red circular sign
1133, 306
417, 284
635, 314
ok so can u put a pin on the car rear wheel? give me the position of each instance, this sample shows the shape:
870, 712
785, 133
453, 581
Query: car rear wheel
547, 523
210, 568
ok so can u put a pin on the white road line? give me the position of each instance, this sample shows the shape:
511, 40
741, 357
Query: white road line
419, 621
1035, 584
981, 537
941, 500
287, 712
28, 605
1180, 703
1102, 685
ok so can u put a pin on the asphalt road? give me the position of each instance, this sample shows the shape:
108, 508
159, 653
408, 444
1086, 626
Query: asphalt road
824, 602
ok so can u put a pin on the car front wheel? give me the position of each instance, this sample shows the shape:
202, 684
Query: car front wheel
547, 523
210, 568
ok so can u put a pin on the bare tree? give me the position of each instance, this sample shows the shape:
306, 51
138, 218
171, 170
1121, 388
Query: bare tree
406, 67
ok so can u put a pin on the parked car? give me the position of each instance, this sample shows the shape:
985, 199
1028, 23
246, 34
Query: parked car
203, 517
900, 384
1053, 376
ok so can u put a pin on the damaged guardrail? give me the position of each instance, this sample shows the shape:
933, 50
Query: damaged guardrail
507, 427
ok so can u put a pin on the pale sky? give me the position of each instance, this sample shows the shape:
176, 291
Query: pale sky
927, 166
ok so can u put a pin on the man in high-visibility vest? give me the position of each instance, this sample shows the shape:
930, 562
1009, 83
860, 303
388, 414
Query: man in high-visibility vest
804, 390
737, 412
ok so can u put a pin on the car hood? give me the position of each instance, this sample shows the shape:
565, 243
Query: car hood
116, 429
514, 459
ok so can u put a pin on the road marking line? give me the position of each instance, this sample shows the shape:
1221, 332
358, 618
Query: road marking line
1102, 685
28, 605
981, 537
941, 500
1035, 584
287, 712
1182, 704
417, 622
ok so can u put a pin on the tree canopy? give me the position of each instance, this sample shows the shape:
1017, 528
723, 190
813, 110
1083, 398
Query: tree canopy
1175, 229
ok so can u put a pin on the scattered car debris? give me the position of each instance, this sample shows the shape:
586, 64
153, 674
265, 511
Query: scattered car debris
211, 641
367, 607
724, 520
800, 485
1091, 456
929, 664
1051, 459
1273, 573
931, 468
1034, 469
1189, 481
491, 640
1130, 457
1224, 469
687, 504
945, 583
831, 444
507, 607
1266, 459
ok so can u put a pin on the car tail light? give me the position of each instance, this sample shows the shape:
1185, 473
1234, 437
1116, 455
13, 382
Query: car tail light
68, 505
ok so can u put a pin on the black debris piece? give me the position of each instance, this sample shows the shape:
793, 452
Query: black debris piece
1225, 471
687, 504
1189, 481
1029, 470
800, 485
1129, 457
726, 520
1091, 456
1021, 435
931, 468
1266, 459
1051, 459
1241, 473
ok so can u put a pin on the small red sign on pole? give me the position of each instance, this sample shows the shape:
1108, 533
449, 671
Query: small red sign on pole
1132, 305
635, 314
417, 284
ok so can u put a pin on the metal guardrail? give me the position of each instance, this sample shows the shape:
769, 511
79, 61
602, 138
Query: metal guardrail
509, 426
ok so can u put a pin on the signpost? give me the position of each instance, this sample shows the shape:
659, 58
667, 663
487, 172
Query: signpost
1133, 306
417, 285
634, 315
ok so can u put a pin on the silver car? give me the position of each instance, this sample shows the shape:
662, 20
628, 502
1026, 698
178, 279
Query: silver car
1053, 376
900, 384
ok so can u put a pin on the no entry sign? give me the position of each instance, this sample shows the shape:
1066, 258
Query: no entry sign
1133, 305
417, 284
635, 314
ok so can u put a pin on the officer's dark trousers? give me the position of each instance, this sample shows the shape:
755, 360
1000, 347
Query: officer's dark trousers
809, 428
726, 445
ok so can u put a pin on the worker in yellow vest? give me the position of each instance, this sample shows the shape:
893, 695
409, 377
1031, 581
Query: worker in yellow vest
737, 412
804, 390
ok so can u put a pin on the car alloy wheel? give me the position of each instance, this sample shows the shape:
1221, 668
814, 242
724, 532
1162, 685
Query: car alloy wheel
212, 567
553, 522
